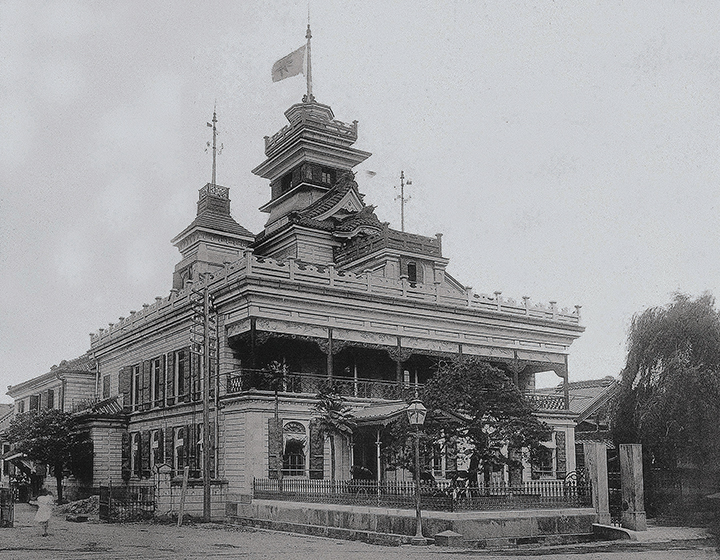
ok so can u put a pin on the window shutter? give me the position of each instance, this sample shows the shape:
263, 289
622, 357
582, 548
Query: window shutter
186, 374
317, 451
170, 378
194, 388
189, 445
145, 388
124, 384
160, 451
144, 454
43, 400
274, 447
169, 447
106, 387
34, 402
125, 456
160, 396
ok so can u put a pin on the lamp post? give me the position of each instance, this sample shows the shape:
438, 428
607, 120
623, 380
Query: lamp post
416, 412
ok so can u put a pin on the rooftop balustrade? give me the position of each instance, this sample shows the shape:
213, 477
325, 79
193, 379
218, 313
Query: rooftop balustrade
251, 266
389, 239
335, 130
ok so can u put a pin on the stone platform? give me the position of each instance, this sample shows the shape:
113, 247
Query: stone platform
479, 529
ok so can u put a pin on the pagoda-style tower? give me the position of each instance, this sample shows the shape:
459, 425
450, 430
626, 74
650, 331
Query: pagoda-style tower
305, 158
213, 238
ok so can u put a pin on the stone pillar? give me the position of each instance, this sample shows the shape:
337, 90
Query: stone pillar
163, 492
631, 483
596, 463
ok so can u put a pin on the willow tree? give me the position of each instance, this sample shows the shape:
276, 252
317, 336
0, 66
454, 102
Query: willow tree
669, 396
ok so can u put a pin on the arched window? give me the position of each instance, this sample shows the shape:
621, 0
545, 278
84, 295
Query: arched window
294, 449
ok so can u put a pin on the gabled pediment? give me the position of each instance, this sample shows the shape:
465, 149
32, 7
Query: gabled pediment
350, 203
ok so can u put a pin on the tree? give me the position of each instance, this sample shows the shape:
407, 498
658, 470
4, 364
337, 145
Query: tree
51, 437
669, 397
334, 419
275, 376
491, 415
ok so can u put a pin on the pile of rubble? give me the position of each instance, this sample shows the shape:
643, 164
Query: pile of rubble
88, 506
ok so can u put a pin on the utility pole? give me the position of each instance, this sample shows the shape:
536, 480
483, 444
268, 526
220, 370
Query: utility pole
402, 198
203, 335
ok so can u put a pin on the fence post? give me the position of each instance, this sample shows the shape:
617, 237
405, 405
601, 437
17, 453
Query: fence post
596, 461
186, 474
631, 484
164, 491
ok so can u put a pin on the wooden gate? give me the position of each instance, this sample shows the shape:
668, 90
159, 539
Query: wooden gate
7, 507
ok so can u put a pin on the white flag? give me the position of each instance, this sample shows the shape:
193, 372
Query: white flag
290, 65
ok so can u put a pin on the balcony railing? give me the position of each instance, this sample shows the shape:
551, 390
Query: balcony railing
363, 388
436, 495
308, 383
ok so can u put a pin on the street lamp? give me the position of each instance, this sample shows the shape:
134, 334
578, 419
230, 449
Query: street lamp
416, 413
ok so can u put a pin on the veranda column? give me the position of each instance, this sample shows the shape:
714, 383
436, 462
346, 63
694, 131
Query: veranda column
631, 484
596, 462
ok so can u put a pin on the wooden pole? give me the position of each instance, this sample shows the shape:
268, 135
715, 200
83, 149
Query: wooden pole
183, 492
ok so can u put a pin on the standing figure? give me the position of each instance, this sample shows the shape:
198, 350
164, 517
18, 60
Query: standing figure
45, 502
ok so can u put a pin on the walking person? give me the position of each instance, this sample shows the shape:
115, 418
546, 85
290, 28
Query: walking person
44, 502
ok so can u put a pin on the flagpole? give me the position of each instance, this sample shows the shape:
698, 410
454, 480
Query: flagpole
309, 97
214, 127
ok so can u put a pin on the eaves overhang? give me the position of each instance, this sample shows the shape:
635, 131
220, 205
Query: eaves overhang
303, 149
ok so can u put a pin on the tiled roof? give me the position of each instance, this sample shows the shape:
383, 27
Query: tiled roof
81, 364
585, 395
106, 407
341, 187
217, 222
365, 217
379, 413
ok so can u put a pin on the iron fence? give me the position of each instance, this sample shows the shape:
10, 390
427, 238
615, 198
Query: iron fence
439, 495
127, 503
7, 507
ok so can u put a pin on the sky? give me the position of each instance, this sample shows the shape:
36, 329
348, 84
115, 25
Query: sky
568, 151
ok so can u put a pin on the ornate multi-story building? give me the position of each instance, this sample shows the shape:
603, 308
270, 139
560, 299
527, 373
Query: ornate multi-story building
327, 291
